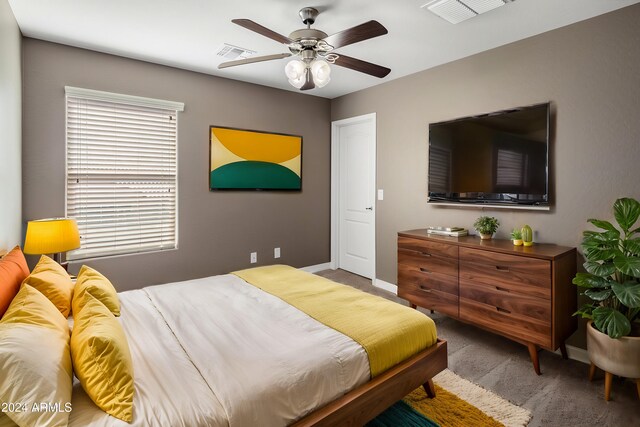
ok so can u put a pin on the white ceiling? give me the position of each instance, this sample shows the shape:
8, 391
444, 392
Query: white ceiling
187, 33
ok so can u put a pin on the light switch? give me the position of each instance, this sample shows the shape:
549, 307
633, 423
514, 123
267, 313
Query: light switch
380, 194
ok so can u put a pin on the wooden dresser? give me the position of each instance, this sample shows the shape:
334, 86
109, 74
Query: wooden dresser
522, 293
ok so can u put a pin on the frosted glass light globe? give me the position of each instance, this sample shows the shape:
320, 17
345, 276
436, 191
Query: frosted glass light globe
321, 72
294, 69
299, 82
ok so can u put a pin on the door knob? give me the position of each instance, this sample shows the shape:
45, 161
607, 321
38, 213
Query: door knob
369, 208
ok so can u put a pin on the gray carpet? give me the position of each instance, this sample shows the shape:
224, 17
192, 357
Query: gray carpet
561, 396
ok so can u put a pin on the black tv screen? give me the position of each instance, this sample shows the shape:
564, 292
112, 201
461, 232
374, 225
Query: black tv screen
496, 158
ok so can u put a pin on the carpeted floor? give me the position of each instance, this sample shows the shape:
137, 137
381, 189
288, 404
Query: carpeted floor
562, 396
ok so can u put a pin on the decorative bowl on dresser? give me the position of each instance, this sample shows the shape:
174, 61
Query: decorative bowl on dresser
522, 293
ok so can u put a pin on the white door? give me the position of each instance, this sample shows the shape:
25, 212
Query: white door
354, 180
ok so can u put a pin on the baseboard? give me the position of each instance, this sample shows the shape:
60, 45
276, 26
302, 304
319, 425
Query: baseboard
316, 268
577, 353
386, 286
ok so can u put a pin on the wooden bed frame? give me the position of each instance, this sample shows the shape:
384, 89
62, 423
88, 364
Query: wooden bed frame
364, 403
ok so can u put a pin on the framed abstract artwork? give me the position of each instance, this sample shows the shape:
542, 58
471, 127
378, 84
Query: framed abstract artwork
242, 159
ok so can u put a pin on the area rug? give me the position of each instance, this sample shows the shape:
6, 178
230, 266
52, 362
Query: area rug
458, 403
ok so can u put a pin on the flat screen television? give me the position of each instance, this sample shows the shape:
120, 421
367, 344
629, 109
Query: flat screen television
500, 158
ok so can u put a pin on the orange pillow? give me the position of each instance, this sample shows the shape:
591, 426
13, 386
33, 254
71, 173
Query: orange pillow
13, 270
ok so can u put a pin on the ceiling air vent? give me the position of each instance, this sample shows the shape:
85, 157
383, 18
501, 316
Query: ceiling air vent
232, 52
456, 11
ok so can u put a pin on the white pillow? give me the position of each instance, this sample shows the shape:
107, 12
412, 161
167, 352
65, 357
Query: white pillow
5, 421
35, 362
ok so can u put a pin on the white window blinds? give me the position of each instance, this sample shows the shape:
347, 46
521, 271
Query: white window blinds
121, 172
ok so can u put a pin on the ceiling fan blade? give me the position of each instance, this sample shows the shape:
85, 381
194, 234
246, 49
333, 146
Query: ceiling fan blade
356, 34
255, 27
308, 84
362, 66
252, 60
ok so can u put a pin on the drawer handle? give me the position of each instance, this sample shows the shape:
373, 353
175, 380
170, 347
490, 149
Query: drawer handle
427, 254
502, 310
423, 289
424, 270
501, 268
502, 289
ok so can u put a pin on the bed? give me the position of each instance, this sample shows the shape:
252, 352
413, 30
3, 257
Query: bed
221, 351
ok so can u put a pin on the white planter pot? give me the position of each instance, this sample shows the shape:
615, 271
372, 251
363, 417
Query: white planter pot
617, 356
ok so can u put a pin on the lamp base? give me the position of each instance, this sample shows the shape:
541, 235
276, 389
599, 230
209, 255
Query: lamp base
57, 257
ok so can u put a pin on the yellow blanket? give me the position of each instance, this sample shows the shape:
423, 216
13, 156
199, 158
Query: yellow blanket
389, 332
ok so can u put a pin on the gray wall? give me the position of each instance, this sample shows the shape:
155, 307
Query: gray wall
217, 230
11, 129
589, 71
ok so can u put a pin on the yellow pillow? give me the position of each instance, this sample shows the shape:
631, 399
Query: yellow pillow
91, 281
54, 282
101, 358
31, 307
35, 361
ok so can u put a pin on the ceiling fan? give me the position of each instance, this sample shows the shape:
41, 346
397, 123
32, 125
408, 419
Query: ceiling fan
314, 50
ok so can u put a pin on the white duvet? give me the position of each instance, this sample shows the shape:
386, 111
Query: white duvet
220, 352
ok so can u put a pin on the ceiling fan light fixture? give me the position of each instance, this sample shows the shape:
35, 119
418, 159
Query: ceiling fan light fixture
321, 72
313, 50
295, 70
299, 81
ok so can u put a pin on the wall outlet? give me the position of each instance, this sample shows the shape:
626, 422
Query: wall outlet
254, 257
276, 252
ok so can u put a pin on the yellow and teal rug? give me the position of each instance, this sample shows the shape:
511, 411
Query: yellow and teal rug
458, 403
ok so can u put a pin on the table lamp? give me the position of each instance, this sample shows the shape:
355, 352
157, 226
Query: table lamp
52, 236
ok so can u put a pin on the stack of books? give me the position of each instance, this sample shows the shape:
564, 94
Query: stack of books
448, 231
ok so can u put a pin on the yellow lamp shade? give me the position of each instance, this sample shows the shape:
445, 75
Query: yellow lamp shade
53, 235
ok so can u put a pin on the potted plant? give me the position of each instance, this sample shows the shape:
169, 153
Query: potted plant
612, 282
486, 226
516, 236
527, 235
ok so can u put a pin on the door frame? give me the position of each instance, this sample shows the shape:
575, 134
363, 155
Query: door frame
335, 187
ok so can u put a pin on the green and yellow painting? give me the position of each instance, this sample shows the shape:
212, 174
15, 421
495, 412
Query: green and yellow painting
251, 160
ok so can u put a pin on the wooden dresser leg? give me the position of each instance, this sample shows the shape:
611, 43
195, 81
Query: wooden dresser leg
430, 389
533, 354
563, 350
415, 307
592, 371
608, 378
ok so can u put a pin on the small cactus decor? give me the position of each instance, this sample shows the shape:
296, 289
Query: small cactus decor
486, 226
516, 236
527, 235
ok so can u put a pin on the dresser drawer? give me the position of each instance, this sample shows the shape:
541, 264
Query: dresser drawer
428, 263
505, 301
518, 274
414, 277
433, 299
428, 248
511, 324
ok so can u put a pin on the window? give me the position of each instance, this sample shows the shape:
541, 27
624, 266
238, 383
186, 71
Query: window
121, 172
